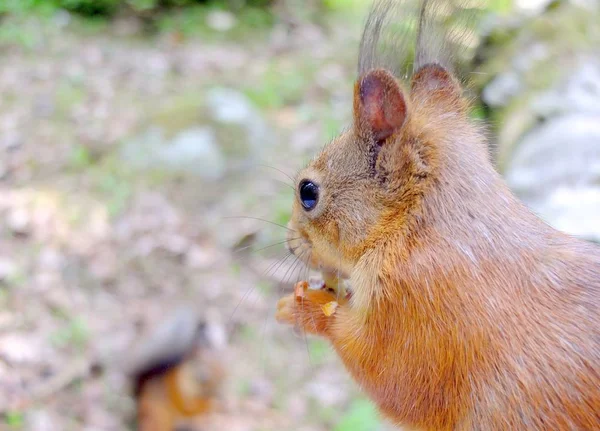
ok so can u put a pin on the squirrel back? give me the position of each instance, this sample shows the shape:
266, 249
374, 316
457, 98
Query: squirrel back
467, 311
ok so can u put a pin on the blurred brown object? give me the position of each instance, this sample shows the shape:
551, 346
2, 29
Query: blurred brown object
176, 372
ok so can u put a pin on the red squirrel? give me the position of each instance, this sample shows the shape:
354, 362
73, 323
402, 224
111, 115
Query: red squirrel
467, 312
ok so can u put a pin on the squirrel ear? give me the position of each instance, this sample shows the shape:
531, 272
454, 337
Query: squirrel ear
435, 78
379, 105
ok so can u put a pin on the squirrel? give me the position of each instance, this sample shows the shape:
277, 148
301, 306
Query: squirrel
466, 311
176, 375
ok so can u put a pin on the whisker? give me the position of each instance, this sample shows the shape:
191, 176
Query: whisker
262, 353
246, 294
338, 273
266, 272
285, 184
282, 285
312, 318
339, 265
289, 272
286, 277
260, 219
278, 170
249, 290
274, 269
262, 345
310, 362
298, 260
239, 250
306, 271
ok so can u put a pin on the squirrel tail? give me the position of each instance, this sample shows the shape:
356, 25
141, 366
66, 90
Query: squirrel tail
195, 405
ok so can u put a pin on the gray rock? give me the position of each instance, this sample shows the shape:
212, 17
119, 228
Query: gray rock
8, 269
579, 92
221, 20
192, 151
328, 389
224, 134
555, 169
547, 97
502, 88
531, 7
62, 18
21, 348
240, 128
18, 221
526, 60
11, 140
41, 420
575, 210
195, 150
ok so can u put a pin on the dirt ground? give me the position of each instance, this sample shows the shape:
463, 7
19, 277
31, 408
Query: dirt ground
96, 245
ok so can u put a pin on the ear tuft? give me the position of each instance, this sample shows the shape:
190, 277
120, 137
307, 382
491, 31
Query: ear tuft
435, 78
379, 105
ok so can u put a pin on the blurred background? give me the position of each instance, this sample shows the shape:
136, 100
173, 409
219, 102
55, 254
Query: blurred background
146, 150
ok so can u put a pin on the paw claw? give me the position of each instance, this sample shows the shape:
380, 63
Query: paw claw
300, 289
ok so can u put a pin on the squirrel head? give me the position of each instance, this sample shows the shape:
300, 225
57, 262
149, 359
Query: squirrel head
367, 182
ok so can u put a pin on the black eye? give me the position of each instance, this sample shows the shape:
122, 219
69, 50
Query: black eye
309, 194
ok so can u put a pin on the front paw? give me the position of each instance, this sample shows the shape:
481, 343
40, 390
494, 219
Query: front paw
310, 310
286, 310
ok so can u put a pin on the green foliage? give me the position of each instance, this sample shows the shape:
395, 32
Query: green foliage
244, 388
361, 416
282, 84
75, 333
14, 420
108, 8
142, 5
319, 350
68, 94
282, 206
478, 112
191, 21
248, 333
236, 269
265, 288
115, 185
500, 6
24, 6
90, 7
331, 127
80, 157
342, 4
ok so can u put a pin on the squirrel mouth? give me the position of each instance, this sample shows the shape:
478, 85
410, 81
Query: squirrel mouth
334, 272
304, 251
302, 248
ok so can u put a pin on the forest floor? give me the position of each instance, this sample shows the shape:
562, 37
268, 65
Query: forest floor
109, 220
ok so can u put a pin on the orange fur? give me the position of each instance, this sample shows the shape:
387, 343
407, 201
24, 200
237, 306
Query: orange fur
468, 312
